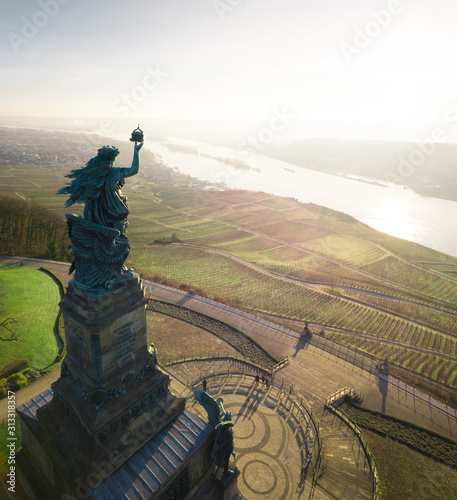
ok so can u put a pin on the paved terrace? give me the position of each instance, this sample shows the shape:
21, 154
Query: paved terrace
272, 436
321, 367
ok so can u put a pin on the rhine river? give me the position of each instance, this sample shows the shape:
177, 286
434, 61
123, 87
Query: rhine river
395, 210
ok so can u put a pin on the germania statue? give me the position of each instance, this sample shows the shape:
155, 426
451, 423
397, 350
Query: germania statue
98, 240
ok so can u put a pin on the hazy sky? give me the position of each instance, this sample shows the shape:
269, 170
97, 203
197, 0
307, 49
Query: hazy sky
376, 67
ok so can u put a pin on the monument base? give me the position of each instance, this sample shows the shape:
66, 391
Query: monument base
227, 485
174, 464
110, 428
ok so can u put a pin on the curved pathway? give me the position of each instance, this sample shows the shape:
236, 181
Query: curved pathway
280, 341
182, 298
323, 288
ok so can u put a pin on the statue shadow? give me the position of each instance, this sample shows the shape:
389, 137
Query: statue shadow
250, 404
383, 386
302, 342
57, 332
302, 485
184, 299
7, 263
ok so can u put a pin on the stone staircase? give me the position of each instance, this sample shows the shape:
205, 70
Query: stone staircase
346, 472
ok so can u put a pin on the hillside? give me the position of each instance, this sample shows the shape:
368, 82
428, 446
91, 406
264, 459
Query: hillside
288, 260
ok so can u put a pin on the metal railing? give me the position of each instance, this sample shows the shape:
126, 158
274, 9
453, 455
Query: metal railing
314, 444
332, 404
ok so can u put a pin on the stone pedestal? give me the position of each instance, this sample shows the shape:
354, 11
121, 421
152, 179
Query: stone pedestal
110, 384
111, 414
227, 486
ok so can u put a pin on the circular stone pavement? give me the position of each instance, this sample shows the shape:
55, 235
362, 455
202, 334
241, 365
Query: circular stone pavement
270, 439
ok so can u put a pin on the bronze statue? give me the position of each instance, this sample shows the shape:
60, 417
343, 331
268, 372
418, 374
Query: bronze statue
98, 240
99, 184
221, 420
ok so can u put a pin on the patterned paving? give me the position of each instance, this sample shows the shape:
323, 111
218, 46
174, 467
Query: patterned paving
270, 438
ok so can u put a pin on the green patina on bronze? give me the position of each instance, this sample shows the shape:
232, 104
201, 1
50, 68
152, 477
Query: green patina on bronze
99, 244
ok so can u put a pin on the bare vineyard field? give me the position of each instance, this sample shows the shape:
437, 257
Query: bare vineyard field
409, 301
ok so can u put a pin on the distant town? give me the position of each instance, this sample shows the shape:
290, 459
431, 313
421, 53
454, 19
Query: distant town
61, 152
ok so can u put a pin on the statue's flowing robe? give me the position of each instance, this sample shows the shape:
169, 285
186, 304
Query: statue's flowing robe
223, 445
109, 208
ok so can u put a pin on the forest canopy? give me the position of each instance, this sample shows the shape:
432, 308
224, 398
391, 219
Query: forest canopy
30, 230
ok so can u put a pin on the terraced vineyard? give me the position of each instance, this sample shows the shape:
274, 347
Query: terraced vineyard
293, 260
372, 291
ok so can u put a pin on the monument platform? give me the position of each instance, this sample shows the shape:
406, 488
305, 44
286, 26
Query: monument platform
176, 459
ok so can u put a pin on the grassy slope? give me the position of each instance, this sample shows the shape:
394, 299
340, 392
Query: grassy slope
186, 340
409, 474
32, 298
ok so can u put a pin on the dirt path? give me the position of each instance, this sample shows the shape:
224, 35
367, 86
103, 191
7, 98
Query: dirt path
30, 391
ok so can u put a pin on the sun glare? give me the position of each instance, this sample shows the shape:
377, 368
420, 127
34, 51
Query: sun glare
391, 218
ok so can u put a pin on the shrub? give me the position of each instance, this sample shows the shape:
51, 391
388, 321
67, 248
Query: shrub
31, 374
14, 366
16, 381
221, 300
3, 387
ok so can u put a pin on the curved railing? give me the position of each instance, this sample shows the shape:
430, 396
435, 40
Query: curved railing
332, 404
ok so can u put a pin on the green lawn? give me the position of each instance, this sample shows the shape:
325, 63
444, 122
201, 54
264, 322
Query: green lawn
408, 474
30, 297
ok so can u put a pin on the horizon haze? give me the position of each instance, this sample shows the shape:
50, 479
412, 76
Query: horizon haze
384, 71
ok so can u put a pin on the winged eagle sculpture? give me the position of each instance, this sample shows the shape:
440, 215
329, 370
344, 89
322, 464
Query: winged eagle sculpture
221, 420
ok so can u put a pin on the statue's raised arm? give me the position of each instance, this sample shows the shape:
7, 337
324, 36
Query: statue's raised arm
134, 169
98, 185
